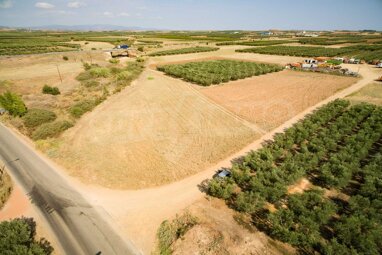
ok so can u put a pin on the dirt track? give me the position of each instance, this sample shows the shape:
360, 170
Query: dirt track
155, 132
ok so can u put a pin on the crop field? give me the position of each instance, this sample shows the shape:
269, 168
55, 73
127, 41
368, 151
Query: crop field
365, 52
206, 73
297, 51
255, 43
183, 51
270, 100
338, 148
143, 136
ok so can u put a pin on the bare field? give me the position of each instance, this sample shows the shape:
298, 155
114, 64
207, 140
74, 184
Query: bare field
155, 132
269, 100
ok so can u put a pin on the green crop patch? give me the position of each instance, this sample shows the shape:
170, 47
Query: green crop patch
183, 51
206, 73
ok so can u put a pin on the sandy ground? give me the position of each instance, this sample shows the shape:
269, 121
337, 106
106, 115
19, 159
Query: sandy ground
217, 232
271, 99
155, 132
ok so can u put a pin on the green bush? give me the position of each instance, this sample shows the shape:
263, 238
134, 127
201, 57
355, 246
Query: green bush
100, 72
87, 66
82, 107
18, 236
125, 75
50, 90
13, 104
51, 129
141, 48
65, 58
114, 60
169, 232
36, 117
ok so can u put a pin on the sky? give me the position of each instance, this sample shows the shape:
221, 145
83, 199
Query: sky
197, 14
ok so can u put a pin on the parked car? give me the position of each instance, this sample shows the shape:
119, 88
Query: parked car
223, 173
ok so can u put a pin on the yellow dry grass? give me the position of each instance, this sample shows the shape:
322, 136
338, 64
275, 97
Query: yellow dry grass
372, 93
155, 132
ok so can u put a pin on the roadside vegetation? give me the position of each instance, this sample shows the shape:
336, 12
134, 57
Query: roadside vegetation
338, 149
183, 51
206, 73
170, 231
13, 104
5, 186
18, 236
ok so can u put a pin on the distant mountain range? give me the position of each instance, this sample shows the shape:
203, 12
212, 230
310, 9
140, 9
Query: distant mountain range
94, 27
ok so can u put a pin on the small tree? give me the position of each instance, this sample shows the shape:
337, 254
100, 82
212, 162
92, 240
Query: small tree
65, 58
50, 90
13, 104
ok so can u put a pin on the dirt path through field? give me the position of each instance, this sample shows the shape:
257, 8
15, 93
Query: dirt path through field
140, 212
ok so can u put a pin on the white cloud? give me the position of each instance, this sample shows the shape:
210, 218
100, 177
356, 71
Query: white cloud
44, 5
124, 14
108, 14
76, 4
4, 4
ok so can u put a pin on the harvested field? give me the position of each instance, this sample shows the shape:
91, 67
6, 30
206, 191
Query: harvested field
269, 100
154, 132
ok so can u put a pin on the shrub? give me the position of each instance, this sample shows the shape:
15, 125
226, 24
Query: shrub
82, 107
51, 129
91, 83
114, 60
86, 66
100, 72
18, 236
13, 104
123, 75
141, 48
36, 117
65, 58
50, 90
169, 232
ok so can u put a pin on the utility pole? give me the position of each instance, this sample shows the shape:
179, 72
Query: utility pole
59, 74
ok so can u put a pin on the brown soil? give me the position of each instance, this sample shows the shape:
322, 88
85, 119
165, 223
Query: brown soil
219, 233
152, 133
271, 99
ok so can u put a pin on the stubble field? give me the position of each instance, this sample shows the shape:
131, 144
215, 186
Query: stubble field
155, 132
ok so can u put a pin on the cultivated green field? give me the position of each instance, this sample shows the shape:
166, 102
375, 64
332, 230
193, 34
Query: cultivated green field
183, 51
206, 73
338, 149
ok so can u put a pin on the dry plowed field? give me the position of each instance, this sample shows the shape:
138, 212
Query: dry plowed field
270, 100
157, 131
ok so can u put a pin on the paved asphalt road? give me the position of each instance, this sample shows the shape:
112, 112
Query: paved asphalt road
78, 226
